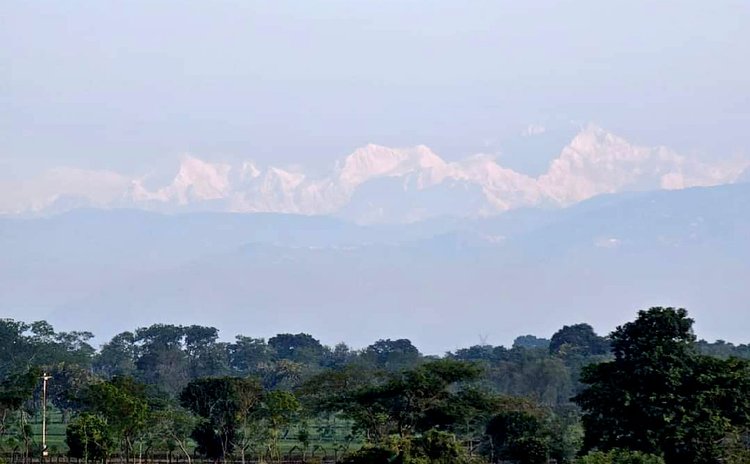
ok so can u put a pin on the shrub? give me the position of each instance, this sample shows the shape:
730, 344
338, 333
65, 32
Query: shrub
373, 455
620, 456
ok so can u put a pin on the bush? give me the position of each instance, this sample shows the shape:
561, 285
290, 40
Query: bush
620, 456
372, 455
433, 447
436, 447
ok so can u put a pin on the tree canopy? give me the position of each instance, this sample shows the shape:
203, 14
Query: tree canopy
648, 393
660, 396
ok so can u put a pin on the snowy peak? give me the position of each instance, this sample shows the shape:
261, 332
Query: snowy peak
249, 171
377, 161
374, 180
597, 162
196, 180
199, 180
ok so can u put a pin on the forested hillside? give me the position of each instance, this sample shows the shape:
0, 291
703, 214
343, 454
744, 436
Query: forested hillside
649, 392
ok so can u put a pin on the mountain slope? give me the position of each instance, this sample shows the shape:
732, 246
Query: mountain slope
524, 271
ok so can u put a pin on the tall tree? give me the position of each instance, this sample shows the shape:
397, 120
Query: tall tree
206, 356
248, 356
15, 391
659, 395
277, 409
162, 360
301, 348
223, 404
122, 404
68, 387
392, 355
339, 357
52, 347
89, 438
173, 426
117, 357
578, 338
15, 350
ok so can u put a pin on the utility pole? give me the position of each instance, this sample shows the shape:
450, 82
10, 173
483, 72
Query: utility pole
45, 378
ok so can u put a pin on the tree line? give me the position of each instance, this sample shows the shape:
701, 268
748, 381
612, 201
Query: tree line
647, 393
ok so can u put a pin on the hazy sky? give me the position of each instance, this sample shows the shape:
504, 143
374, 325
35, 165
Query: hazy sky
133, 85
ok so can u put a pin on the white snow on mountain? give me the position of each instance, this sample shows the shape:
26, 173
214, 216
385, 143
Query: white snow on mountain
374, 161
593, 163
196, 180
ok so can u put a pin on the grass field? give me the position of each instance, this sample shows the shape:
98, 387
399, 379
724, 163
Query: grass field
323, 436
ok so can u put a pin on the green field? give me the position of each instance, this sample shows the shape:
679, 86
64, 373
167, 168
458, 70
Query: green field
323, 436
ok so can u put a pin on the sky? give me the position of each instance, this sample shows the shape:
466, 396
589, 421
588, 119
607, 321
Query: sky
132, 86
97, 96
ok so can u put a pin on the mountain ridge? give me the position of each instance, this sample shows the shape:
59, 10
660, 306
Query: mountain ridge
395, 184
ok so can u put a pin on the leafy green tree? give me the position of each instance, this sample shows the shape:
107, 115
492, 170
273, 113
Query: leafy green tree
530, 372
206, 356
117, 357
15, 391
330, 391
531, 341
162, 360
122, 403
67, 387
15, 348
436, 447
723, 349
518, 436
248, 394
223, 405
464, 415
277, 409
659, 395
565, 433
486, 354
172, 427
579, 338
392, 355
339, 357
248, 356
72, 348
37, 344
89, 438
51, 347
283, 374
213, 400
301, 348
406, 401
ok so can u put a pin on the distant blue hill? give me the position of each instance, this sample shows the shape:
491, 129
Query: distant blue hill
440, 282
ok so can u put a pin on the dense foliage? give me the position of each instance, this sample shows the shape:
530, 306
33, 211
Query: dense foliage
648, 393
659, 395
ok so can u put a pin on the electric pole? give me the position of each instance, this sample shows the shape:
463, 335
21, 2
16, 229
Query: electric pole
45, 378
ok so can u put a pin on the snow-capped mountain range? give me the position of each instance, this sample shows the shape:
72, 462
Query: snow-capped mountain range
381, 184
